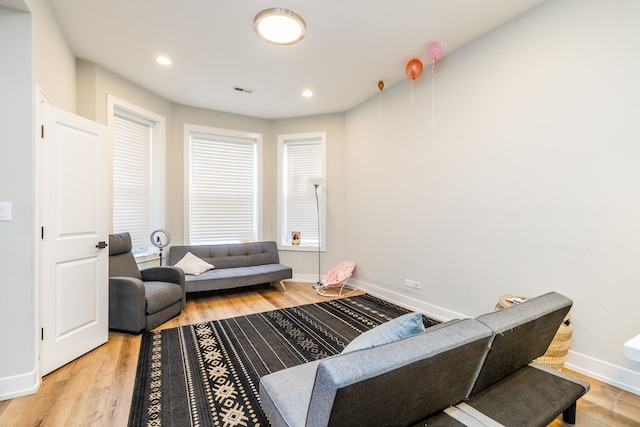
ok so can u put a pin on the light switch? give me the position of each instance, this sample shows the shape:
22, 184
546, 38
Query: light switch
5, 211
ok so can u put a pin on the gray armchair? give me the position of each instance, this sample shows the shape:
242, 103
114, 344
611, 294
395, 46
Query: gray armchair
140, 300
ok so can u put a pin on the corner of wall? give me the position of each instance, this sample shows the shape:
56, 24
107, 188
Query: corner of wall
19, 385
86, 89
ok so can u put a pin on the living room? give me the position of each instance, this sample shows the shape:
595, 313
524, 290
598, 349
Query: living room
525, 184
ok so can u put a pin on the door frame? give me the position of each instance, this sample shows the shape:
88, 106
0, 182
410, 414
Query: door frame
40, 98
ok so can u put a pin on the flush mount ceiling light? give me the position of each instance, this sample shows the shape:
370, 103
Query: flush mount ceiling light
279, 26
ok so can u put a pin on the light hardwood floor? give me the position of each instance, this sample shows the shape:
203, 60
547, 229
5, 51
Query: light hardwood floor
96, 389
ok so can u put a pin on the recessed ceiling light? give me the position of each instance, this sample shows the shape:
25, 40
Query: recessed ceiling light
279, 26
163, 60
307, 93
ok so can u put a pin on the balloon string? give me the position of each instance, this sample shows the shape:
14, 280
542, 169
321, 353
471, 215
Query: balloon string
380, 110
412, 92
433, 93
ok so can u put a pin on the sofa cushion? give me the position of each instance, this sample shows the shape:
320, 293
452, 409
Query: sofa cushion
160, 295
393, 330
119, 243
122, 263
193, 265
285, 394
227, 278
421, 374
229, 255
522, 332
533, 395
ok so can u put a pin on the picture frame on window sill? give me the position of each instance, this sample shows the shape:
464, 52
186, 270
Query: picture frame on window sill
295, 238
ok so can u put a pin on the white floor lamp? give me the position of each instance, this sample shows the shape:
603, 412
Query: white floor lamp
317, 181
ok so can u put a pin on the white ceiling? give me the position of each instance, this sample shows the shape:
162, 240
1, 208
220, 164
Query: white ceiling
350, 45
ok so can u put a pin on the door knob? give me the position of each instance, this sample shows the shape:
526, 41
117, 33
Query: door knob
101, 245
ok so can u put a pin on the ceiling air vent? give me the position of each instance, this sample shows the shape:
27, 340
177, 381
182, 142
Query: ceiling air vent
243, 89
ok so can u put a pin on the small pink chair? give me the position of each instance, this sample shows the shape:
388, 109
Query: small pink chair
338, 276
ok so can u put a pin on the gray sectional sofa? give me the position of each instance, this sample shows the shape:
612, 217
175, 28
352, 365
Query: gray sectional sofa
470, 372
235, 265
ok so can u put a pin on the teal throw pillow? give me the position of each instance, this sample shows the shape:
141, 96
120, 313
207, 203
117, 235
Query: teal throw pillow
393, 330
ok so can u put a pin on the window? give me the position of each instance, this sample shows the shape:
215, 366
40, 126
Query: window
223, 195
301, 157
138, 172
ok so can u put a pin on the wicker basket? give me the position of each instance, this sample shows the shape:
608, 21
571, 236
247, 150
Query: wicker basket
557, 352
504, 300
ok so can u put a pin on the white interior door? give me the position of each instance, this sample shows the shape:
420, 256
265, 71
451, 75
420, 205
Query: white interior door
74, 208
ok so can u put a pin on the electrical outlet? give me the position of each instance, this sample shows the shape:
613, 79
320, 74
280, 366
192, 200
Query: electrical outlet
412, 284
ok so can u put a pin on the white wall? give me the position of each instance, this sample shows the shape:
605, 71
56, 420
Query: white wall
94, 83
54, 65
17, 322
34, 52
305, 264
527, 183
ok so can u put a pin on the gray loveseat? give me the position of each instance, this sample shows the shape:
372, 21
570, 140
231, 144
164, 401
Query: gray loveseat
235, 265
473, 372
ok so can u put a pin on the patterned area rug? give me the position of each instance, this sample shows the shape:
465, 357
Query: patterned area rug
207, 374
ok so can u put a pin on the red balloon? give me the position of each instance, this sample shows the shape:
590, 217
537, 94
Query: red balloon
414, 69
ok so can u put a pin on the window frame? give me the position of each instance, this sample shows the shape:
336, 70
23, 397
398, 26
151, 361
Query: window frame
190, 129
158, 166
283, 239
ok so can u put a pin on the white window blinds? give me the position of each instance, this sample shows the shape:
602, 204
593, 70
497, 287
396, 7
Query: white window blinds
132, 197
223, 189
302, 159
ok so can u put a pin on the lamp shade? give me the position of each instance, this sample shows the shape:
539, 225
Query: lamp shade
316, 180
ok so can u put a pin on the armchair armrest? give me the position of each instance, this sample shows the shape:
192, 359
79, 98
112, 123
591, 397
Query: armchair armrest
166, 274
127, 304
163, 274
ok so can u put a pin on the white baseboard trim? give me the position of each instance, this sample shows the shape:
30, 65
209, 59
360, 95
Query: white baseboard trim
304, 278
424, 307
606, 372
19, 385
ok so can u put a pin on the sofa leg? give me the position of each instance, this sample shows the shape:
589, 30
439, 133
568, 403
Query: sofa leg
569, 415
279, 285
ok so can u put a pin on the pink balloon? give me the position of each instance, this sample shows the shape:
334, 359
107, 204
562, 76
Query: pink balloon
435, 49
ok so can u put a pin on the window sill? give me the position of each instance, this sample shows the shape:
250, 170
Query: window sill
299, 248
146, 256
